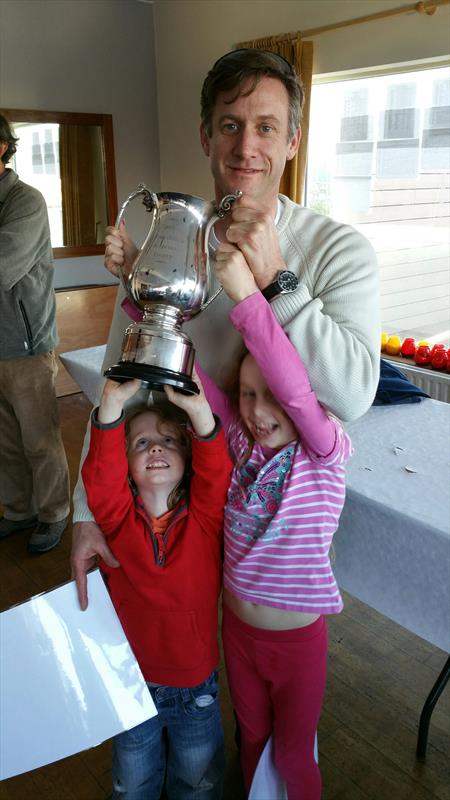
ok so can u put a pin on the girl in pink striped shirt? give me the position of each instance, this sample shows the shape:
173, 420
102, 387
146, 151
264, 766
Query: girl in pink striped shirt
284, 502
285, 498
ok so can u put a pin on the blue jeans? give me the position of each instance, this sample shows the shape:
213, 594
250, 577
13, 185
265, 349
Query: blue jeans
183, 744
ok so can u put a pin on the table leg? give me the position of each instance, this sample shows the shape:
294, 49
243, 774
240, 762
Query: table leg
428, 707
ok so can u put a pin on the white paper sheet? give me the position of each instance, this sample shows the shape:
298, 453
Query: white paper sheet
267, 782
68, 678
85, 367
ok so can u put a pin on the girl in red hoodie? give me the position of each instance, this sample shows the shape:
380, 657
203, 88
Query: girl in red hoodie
158, 489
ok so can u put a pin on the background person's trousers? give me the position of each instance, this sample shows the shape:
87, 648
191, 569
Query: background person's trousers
277, 683
34, 477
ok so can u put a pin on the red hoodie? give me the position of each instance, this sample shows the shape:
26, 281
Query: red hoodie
167, 587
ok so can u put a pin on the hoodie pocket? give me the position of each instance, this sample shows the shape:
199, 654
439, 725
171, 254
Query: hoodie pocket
163, 639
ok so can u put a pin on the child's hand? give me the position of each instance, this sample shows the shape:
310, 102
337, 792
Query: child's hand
233, 272
196, 407
114, 398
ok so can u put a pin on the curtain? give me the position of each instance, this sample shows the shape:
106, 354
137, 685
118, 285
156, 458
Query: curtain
77, 185
300, 55
68, 159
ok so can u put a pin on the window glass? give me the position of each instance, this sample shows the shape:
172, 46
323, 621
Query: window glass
379, 159
37, 163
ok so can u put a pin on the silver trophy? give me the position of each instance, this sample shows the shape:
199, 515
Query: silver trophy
169, 283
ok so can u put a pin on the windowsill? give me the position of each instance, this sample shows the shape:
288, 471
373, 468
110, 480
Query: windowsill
409, 362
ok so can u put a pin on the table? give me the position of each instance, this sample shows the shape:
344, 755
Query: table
84, 366
393, 541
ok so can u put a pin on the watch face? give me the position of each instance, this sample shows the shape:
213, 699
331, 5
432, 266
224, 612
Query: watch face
287, 281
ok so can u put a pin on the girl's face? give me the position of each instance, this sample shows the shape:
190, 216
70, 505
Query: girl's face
269, 425
156, 457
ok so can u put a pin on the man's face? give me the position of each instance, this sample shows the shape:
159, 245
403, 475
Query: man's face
249, 145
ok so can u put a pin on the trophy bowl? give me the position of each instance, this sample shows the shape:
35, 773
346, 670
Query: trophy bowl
168, 284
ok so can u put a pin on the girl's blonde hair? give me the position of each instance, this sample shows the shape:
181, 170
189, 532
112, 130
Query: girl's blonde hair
170, 415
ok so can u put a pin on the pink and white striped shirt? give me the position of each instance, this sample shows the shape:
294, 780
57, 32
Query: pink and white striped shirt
283, 506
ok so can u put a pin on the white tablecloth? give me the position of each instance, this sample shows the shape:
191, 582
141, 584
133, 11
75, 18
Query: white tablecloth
84, 366
393, 543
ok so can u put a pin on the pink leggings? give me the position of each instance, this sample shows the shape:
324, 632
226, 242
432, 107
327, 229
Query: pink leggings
277, 683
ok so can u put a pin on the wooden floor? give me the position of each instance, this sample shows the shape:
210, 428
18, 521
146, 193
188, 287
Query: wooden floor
379, 676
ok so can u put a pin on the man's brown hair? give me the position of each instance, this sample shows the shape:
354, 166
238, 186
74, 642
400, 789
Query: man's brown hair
248, 66
7, 137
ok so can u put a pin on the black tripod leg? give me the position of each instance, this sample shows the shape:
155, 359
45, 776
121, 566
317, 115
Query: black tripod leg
427, 710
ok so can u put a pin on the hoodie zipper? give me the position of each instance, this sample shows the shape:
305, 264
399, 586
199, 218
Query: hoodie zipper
159, 540
27, 326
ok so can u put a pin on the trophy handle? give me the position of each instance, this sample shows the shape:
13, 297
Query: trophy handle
224, 207
151, 203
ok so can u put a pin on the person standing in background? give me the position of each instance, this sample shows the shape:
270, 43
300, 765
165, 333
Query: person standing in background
34, 476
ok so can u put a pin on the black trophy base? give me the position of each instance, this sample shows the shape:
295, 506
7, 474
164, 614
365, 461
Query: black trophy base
156, 377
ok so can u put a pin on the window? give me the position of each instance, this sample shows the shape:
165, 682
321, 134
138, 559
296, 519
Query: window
379, 159
37, 162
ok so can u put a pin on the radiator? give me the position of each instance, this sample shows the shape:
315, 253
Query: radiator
436, 384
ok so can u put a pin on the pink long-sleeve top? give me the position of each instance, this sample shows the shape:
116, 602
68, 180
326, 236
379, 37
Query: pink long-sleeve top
283, 506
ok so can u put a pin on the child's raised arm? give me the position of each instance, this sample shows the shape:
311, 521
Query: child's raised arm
113, 399
286, 375
196, 407
278, 360
217, 398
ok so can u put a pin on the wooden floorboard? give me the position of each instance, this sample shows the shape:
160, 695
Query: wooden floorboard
379, 676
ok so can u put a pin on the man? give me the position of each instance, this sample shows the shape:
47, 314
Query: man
320, 276
34, 477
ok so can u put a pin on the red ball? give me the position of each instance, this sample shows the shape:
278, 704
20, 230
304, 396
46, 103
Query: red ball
439, 359
422, 355
408, 347
437, 347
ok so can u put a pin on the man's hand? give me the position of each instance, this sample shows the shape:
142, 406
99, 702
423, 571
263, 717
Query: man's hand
254, 233
88, 543
120, 250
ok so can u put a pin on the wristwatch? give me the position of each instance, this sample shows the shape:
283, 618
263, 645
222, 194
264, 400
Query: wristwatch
285, 281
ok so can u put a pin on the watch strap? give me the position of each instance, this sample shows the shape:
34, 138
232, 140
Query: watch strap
272, 290
285, 282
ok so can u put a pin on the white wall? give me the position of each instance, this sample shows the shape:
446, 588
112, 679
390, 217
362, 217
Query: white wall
95, 56
99, 56
191, 34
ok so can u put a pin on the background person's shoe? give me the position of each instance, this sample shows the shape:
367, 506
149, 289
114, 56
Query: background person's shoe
46, 536
8, 526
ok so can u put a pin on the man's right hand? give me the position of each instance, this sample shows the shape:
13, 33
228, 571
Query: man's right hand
120, 249
88, 543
